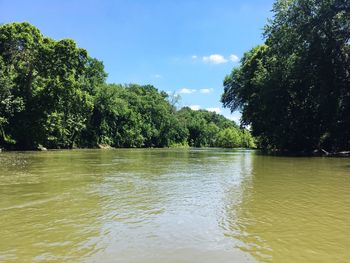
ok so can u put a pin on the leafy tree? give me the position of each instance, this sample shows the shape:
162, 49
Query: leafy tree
52, 81
205, 129
9, 105
229, 138
294, 90
113, 121
158, 125
174, 100
134, 116
247, 140
52, 93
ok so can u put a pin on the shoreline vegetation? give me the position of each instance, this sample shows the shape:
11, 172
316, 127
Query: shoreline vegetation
294, 89
293, 92
54, 96
315, 153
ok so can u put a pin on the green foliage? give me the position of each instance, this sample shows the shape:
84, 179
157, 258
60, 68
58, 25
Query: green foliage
134, 116
294, 90
53, 95
247, 140
229, 138
208, 129
49, 88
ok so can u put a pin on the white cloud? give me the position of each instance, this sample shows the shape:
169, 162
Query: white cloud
234, 58
206, 91
217, 110
186, 91
157, 76
194, 107
215, 59
235, 118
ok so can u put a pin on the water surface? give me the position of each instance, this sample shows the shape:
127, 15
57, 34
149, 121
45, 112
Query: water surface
175, 206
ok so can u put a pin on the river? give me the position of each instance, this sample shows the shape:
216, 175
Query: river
173, 206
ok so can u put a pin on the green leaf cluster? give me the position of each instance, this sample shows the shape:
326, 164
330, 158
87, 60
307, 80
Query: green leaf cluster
293, 90
54, 95
209, 129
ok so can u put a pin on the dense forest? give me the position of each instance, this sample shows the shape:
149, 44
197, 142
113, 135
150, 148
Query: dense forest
54, 95
294, 90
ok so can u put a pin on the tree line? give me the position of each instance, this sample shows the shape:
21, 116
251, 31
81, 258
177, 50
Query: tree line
54, 95
294, 90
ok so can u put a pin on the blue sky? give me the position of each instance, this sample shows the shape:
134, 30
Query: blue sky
182, 46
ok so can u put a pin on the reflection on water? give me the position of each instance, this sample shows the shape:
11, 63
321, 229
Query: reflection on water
172, 206
291, 210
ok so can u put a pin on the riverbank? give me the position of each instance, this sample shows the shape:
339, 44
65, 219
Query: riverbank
315, 153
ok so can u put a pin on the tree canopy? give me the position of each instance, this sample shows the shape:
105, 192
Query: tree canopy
53, 94
294, 90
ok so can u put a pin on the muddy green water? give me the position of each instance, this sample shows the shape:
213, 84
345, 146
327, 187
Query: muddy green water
175, 206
